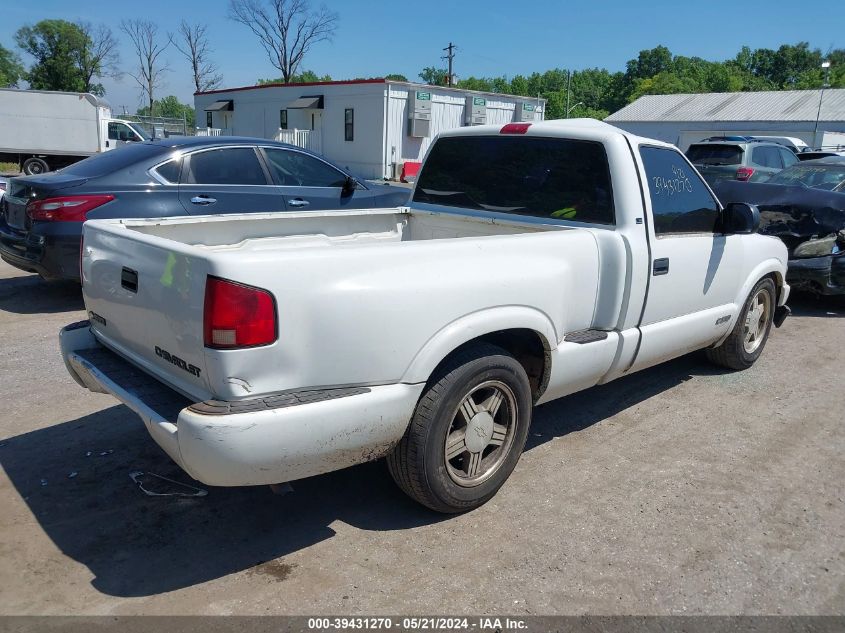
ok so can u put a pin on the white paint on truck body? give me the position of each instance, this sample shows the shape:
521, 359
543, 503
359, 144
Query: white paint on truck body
378, 298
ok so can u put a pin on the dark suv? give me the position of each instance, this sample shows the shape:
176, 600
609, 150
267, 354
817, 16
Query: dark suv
746, 160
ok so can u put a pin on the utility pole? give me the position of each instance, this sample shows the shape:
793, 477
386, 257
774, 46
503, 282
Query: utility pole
568, 82
826, 67
450, 55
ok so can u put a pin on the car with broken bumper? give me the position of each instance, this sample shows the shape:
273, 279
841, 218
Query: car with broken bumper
804, 206
260, 349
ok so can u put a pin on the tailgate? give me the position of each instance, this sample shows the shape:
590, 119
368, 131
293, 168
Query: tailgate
144, 297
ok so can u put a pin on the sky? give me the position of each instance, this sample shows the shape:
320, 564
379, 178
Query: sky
493, 38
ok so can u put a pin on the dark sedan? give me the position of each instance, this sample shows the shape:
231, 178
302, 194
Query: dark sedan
804, 206
42, 216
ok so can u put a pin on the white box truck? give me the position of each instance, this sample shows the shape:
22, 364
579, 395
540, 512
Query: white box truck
42, 130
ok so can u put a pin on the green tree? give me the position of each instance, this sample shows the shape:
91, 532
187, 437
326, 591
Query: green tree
55, 45
11, 69
170, 106
305, 77
434, 76
396, 77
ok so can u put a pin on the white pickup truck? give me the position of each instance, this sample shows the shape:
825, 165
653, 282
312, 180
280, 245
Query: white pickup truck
535, 260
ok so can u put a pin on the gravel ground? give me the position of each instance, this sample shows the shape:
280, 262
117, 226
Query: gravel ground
679, 490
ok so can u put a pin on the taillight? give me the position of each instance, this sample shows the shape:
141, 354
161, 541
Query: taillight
515, 128
744, 173
236, 315
66, 208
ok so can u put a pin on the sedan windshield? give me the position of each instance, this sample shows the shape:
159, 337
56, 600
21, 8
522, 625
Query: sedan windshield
816, 176
110, 162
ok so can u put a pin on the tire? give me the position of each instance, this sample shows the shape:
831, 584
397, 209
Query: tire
34, 166
480, 400
739, 351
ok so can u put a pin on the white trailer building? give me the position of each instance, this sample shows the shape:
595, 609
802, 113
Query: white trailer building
814, 116
370, 126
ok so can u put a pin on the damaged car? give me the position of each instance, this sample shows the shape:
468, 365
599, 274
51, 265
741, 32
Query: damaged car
803, 205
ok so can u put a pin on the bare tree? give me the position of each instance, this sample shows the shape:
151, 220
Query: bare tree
98, 56
148, 74
192, 43
287, 29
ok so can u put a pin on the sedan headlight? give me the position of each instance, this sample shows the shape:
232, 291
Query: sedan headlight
829, 245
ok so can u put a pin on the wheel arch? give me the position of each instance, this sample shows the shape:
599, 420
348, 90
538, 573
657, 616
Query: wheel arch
525, 333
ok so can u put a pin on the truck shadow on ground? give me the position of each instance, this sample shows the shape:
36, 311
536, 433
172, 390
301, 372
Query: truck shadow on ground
32, 295
137, 545
804, 304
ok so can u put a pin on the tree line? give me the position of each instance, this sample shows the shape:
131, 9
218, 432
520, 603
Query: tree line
597, 92
76, 56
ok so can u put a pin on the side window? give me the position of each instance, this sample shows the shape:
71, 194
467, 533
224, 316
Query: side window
680, 201
349, 124
789, 158
283, 119
226, 166
208, 119
119, 132
766, 156
295, 169
170, 170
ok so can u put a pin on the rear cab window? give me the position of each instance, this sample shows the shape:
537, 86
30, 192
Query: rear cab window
680, 201
552, 178
715, 154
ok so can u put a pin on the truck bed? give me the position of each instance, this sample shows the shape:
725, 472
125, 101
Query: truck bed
356, 319
261, 232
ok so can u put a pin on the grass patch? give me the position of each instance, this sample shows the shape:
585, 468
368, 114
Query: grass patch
9, 168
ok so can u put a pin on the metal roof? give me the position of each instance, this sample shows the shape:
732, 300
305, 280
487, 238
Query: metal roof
781, 105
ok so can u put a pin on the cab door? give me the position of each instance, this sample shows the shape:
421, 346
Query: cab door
696, 271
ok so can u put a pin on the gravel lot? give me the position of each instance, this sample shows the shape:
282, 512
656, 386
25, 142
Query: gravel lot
682, 489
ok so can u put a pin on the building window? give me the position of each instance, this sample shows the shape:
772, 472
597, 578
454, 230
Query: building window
208, 119
283, 119
349, 124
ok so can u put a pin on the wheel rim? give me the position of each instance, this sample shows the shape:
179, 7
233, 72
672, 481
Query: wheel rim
481, 433
757, 321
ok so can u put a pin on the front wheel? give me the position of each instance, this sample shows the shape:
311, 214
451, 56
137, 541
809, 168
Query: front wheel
746, 341
467, 433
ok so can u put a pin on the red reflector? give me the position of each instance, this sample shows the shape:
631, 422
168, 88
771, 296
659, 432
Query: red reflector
744, 173
236, 315
515, 128
66, 208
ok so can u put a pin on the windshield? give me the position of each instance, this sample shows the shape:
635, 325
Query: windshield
816, 176
543, 177
112, 161
140, 131
715, 154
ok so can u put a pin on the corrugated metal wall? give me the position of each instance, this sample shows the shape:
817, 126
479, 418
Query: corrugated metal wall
447, 112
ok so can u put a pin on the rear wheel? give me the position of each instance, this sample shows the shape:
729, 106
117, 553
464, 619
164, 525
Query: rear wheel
746, 341
467, 433
34, 166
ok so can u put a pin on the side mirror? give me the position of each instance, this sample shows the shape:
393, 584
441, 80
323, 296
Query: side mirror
350, 185
740, 218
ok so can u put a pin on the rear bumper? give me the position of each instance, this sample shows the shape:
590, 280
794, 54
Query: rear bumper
251, 442
822, 275
53, 253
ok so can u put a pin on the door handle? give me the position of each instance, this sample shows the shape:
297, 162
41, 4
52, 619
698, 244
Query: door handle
298, 202
203, 200
661, 266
